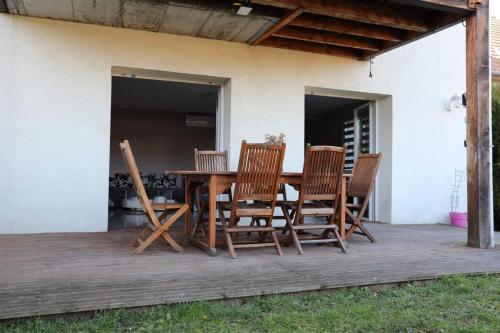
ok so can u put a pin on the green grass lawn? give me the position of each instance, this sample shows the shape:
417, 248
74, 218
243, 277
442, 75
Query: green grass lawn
457, 304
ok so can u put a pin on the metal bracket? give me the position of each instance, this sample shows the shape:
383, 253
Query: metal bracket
475, 3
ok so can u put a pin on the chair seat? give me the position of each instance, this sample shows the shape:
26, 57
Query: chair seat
311, 208
248, 209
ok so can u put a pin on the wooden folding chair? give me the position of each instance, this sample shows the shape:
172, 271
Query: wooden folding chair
257, 180
155, 227
207, 160
319, 196
360, 187
282, 192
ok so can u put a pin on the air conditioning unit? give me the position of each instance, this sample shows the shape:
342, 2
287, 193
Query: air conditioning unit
199, 121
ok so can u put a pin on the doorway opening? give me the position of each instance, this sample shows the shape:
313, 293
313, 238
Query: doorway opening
164, 122
339, 121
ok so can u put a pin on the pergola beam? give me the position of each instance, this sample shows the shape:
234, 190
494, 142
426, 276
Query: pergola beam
290, 16
479, 142
355, 11
445, 21
348, 27
329, 38
450, 6
297, 45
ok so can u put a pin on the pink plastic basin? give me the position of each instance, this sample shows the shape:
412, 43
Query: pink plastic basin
458, 219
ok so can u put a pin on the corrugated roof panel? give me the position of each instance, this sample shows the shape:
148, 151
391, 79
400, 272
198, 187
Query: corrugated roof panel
183, 20
104, 12
62, 10
143, 15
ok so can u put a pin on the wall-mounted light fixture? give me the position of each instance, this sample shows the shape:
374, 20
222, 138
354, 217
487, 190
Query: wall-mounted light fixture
456, 102
242, 7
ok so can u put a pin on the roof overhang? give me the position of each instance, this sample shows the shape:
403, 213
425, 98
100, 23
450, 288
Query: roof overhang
359, 29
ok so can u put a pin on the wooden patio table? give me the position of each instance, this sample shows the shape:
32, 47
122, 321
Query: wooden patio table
218, 182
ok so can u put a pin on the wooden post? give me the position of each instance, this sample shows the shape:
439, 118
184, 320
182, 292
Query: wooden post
479, 149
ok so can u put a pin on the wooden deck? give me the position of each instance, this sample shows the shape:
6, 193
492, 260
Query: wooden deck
61, 273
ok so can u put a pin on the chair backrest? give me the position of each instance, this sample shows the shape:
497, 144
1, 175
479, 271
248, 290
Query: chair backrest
209, 160
259, 172
128, 157
322, 174
363, 175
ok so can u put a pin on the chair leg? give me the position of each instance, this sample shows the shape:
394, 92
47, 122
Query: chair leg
199, 221
230, 246
366, 232
296, 241
277, 243
356, 223
162, 231
142, 233
340, 241
229, 241
293, 234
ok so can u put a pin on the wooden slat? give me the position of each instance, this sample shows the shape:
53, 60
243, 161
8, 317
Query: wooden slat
329, 38
45, 274
289, 17
479, 149
312, 47
450, 6
355, 11
348, 27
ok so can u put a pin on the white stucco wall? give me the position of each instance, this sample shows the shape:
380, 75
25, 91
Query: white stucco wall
55, 96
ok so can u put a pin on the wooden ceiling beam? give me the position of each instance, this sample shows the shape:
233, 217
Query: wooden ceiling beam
297, 45
289, 16
445, 21
348, 27
355, 11
329, 38
450, 6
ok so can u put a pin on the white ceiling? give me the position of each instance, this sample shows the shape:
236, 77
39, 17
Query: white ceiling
159, 96
318, 105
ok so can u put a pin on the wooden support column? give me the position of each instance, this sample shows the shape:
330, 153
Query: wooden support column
479, 149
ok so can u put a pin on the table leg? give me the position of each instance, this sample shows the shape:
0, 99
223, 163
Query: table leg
212, 199
343, 201
188, 198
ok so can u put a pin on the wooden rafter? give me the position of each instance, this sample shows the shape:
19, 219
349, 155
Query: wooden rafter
312, 47
445, 21
330, 38
348, 27
290, 16
450, 6
356, 11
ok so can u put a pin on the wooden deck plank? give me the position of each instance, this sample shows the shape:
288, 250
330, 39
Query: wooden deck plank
60, 273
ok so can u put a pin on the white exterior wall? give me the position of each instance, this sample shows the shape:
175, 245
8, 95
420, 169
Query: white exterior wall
55, 96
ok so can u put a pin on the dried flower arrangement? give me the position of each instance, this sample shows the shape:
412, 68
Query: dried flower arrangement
274, 140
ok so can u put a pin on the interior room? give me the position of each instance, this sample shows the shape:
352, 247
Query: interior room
164, 122
336, 121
